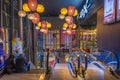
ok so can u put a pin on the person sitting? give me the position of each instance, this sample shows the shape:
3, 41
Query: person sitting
21, 63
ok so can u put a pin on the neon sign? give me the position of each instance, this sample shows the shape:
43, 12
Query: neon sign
85, 9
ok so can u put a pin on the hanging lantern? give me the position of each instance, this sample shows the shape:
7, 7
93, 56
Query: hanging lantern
75, 13
40, 8
44, 24
21, 13
61, 16
69, 31
39, 24
71, 10
36, 18
49, 25
45, 31
42, 29
26, 8
32, 4
74, 26
31, 16
69, 20
63, 11
37, 27
71, 26
64, 28
65, 25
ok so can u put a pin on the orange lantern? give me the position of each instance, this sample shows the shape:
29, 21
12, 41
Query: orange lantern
26, 8
75, 13
69, 20
63, 11
45, 31
71, 10
49, 25
71, 26
39, 24
65, 25
40, 8
32, 4
44, 24
36, 18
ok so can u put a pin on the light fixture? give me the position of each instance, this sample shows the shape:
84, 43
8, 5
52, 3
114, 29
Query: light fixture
26, 8
21, 13
63, 11
32, 4
49, 25
61, 16
40, 8
30, 16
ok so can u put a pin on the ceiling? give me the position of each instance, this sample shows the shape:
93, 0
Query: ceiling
52, 7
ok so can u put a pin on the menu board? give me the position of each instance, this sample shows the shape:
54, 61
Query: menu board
109, 11
118, 10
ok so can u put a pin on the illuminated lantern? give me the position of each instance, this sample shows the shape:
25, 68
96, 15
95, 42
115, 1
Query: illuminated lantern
42, 30
75, 13
39, 24
69, 20
63, 11
49, 25
71, 26
64, 28
21, 13
40, 8
71, 10
61, 16
65, 25
36, 18
26, 8
32, 4
69, 31
37, 27
74, 26
31, 16
44, 24
45, 31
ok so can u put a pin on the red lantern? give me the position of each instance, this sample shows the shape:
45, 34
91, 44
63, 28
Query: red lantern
69, 20
71, 10
32, 4
36, 18
44, 24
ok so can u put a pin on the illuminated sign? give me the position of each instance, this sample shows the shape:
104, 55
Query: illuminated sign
85, 9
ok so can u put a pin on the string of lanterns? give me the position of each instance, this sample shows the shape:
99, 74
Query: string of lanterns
68, 14
34, 9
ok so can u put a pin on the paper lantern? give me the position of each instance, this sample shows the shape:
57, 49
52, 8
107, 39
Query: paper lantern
21, 13
61, 16
69, 19
32, 4
75, 13
74, 26
64, 28
31, 16
65, 25
36, 18
69, 31
49, 25
37, 27
63, 11
39, 24
44, 24
71, 26
45, 31
42, 29
40, 8
26, 8
71, 10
